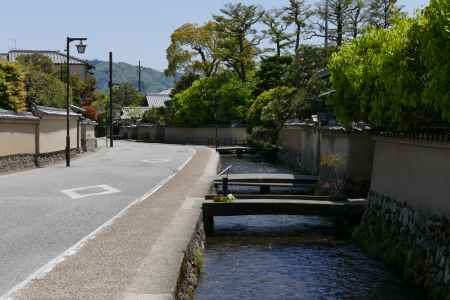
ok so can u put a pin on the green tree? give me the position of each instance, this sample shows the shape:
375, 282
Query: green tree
12, 87
297, 14
273, 72
126, 95
193, 49
83, 91
268, 114
41, 81
382, 13
45, 89
184, 83
37, 62
389, 77
155, 115
238, 38
276, 30
432, 34
338, 15
196, 106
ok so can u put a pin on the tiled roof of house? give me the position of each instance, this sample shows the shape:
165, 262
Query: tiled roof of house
157, 100
56, 56
166, 92
7, 114
53, 111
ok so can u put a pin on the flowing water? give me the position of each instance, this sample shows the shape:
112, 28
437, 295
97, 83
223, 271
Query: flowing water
289, 257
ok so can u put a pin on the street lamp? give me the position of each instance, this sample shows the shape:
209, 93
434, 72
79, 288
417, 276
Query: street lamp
81, 48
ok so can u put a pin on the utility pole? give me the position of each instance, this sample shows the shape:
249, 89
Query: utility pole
110, 83
139, 77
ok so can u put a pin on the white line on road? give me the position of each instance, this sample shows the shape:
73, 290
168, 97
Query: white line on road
41, 272
102, 189
156, 160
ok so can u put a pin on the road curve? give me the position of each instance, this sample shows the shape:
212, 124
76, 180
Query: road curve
43, 212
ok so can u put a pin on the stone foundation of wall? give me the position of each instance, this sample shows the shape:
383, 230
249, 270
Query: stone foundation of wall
415, 243
20, 162
192, 265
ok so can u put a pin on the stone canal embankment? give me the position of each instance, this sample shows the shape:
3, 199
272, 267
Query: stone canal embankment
407, 220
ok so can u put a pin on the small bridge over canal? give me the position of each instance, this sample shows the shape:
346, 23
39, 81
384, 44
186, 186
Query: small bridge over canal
344, 211
265, 181
267, 203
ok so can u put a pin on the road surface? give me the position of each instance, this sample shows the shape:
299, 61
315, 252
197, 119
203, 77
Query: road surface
45, 211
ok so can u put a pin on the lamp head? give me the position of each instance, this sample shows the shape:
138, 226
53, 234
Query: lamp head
81, 48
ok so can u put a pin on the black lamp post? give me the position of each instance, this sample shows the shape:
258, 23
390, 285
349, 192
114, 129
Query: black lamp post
81, 48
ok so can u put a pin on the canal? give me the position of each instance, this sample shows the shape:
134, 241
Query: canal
289, 257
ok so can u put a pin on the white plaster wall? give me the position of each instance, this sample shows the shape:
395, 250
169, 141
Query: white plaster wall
53, 134
17, 138
415, 173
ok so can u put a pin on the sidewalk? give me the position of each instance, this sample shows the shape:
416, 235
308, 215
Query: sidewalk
139, 255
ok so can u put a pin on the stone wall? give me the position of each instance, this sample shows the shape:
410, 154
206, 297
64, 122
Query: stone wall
192, 265
20, 162
17, 162
416, 243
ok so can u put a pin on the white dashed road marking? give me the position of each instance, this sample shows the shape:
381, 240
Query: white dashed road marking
88, 191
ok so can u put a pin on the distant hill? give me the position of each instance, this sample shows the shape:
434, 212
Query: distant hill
152, 80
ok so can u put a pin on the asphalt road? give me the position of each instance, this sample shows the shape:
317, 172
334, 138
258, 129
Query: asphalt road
45, 211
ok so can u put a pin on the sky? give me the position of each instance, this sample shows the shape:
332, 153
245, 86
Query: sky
132, 29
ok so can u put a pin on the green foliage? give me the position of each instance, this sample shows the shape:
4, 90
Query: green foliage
37, 62
42, 83
276, 30
83, 91
383, 13
397, 77
334, 184
238, 38
184, 83
46, 89
155, 115
126, 95
230, 198
268, 114
12, 87
434, 36
196, 106
273, 72
193, 49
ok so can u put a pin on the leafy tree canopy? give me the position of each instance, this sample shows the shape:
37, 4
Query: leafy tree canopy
12, 87
193, 49
196, 106
396, 77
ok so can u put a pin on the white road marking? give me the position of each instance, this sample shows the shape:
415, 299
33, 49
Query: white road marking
77, 193
47, 268
156, 160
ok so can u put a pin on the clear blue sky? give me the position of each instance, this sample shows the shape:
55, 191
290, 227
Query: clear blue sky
132, 29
